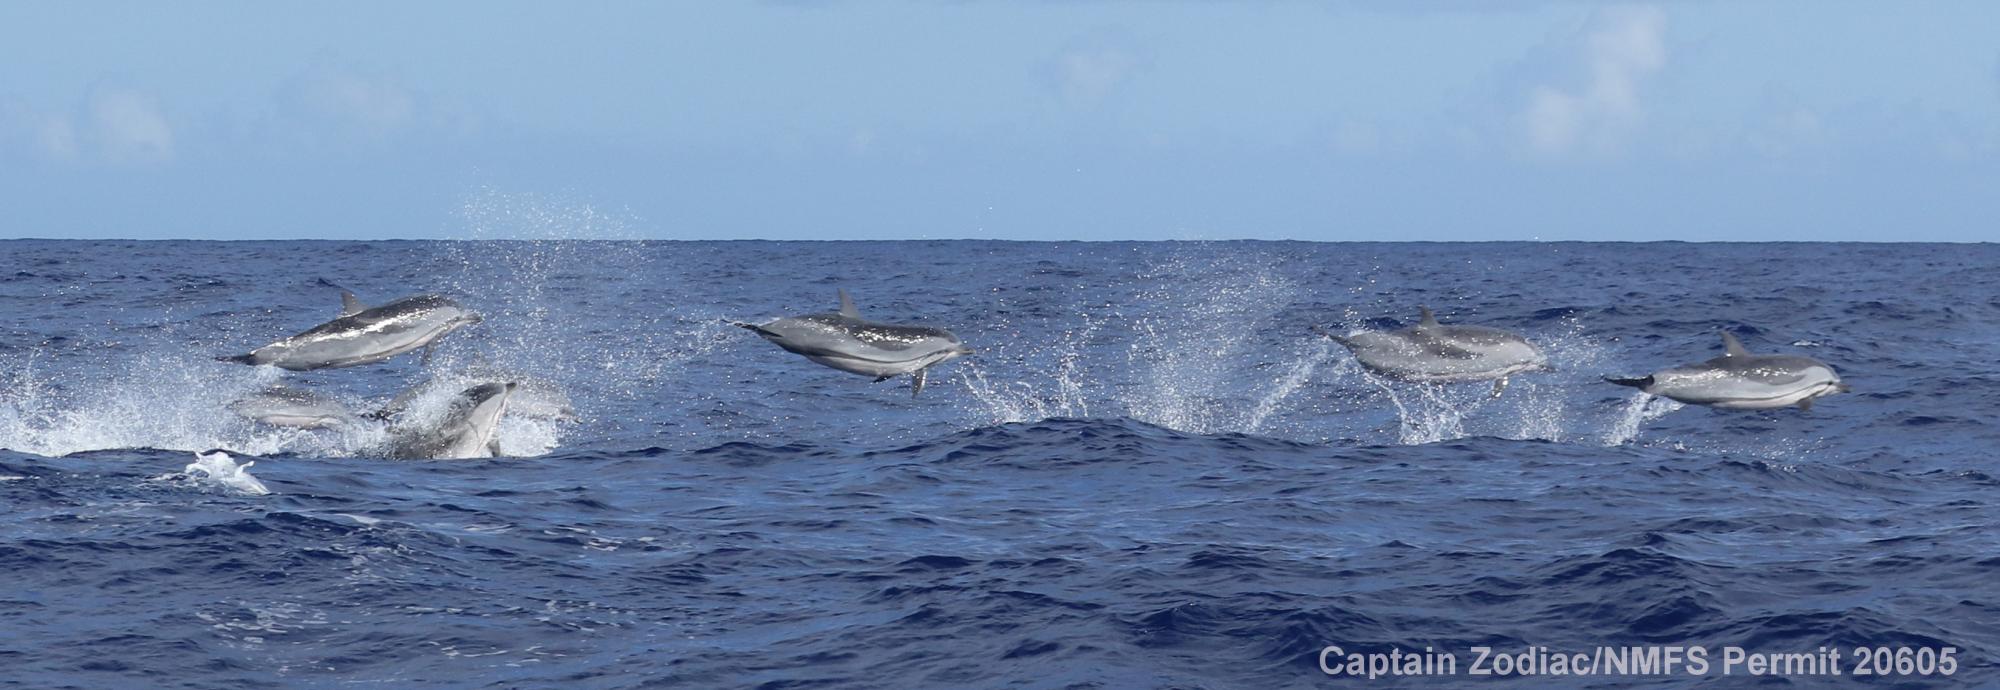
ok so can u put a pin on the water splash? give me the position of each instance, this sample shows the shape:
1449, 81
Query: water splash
541, 289
1198, 336
161, 399
1640, 407
219, 470
1430, 412
1046, 382
538, 415
1294, 377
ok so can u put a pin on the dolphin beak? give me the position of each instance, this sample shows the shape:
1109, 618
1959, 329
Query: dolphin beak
964, 350
473, 317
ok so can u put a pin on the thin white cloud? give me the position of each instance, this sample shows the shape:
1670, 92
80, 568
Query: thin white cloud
127, 126
1090, 75
375, 106
1093, 67
329, 108
1621, 48
26, 130
55, 137
1356, 137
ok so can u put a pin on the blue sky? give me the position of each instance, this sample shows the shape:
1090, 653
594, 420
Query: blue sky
1041, 119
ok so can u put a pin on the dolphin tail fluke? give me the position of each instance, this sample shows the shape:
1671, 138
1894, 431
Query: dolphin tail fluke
1640, 383
917, 381
250, 359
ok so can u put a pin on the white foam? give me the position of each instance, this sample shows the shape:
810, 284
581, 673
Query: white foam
219, 469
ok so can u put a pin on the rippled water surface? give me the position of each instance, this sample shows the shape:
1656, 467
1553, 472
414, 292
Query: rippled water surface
1151, 474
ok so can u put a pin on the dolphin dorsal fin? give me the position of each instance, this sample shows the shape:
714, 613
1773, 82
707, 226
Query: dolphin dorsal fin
1428, 319
847, 306
1731, 347
350, 305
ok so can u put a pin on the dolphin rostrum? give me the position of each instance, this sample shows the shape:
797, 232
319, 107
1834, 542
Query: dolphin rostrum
1738, 380
845, 341
365, 336
464, 431
1430, 352
293, 407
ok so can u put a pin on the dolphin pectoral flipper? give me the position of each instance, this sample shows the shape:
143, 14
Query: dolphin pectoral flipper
917, 381
1805, 405
1499, 386
493, 447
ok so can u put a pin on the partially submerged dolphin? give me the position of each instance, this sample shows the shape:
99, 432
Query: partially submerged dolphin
362, 335
1738, 380
844, 341
1430, 352
465, 430
534, 398
293, 407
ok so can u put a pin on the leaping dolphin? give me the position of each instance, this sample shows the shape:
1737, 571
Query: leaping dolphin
364, 336
293, 407
1430, 352
845, 341
1738, 380
465, 430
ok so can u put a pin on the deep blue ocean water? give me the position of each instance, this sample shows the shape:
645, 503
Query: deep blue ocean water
1151, 474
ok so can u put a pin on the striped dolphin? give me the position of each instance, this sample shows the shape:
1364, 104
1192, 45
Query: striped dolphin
1430, 352
845, 341
293, 407
465, 430
1738, 380
363, 335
